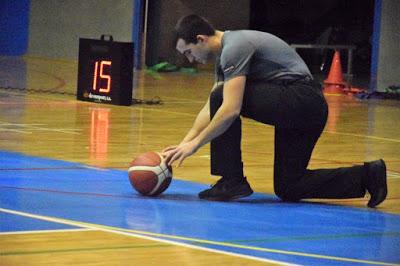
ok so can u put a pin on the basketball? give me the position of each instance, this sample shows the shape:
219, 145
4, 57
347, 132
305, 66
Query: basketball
149, 174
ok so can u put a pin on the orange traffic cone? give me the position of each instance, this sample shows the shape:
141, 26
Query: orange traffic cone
335, 82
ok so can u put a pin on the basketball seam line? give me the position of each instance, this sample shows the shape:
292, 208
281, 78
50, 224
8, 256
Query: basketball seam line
162, 178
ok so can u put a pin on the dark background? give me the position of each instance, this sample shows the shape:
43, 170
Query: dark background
319, 22
342, 22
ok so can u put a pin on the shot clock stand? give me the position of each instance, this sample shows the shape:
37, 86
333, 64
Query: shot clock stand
105, 71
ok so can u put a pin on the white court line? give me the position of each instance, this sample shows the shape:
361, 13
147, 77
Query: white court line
46, 231
27, 128
105, 229
393, 175
22, 125
95, 168
14, 130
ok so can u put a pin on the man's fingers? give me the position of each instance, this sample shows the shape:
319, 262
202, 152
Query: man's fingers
174, 158
180, 161
167, 156
168, 149
170, 159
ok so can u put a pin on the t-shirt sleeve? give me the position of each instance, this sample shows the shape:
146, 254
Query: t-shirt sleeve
236, 59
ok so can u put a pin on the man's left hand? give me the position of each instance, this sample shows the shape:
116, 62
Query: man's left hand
180, 152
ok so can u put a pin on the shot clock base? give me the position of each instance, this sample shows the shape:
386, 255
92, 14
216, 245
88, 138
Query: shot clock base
105, 71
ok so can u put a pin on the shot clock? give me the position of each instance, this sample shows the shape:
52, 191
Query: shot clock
105, 71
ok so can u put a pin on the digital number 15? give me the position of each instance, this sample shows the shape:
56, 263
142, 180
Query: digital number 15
101, 67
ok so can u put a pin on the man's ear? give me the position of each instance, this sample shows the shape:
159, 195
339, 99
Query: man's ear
202, 38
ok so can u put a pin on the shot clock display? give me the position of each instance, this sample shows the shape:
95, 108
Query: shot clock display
105, 71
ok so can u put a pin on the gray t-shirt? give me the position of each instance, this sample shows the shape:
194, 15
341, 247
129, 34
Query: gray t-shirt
258, 56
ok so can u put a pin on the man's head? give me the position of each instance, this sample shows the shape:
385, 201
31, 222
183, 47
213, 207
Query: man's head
192, 38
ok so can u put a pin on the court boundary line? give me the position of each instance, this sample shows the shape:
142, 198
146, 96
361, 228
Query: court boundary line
133, 233
161, 238
46, 231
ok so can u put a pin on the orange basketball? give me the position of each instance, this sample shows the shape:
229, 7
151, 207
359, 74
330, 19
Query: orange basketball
149, 174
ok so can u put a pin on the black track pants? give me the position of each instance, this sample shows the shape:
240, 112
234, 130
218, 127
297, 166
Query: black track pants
298, 111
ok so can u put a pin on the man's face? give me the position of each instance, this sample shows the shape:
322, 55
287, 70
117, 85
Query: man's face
199, 52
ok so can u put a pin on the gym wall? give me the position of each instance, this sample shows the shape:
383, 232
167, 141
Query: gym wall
388, 52
56, 26
163, 15
49, 28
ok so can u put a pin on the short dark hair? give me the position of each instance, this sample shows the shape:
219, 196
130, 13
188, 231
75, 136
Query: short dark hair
189, 27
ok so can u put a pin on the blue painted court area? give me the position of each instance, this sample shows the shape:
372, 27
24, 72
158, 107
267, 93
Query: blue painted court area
260, 226
13, 223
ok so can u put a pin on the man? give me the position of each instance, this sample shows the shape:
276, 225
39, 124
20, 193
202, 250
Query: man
261, 77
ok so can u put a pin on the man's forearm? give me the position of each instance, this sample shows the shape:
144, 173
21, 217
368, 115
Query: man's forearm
222, 120
233, 92
202, 119
201, 122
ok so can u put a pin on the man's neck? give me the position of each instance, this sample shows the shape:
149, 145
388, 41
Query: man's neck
216, 42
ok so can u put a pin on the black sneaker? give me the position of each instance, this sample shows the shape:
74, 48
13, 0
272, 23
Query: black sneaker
225, 190
376, 182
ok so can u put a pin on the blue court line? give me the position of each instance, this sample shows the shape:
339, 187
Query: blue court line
179, 213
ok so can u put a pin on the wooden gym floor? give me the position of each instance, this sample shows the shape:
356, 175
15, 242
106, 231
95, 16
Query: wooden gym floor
65, 198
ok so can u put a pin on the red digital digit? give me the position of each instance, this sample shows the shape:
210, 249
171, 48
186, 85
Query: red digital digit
95, 76
103, 64
107, 77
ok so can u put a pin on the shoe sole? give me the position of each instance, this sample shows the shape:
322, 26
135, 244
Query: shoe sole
381, 194
228, 198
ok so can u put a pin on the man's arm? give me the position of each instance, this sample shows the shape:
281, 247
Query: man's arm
202, 119
226, 114
201, 122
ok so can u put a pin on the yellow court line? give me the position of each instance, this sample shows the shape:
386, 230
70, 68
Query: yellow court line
157, 236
